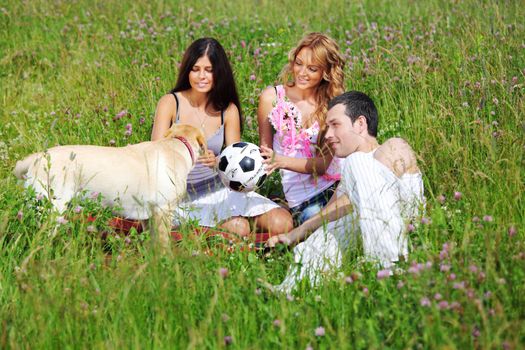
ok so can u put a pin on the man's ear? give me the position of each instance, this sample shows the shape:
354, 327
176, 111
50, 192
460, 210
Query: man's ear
362, 123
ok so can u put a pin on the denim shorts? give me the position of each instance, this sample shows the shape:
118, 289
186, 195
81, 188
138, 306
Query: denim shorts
312, 206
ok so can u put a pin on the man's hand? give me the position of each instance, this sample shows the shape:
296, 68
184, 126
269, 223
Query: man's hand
208, 159
283, 238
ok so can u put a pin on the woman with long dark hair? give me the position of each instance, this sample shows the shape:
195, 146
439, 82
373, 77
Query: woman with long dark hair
205, 96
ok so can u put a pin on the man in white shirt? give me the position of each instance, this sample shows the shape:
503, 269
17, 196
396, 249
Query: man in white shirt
381, 189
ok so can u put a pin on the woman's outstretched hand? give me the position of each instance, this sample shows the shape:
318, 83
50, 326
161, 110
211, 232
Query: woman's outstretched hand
208, 159
272, 160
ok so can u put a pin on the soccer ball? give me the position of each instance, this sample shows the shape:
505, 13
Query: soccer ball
241, 167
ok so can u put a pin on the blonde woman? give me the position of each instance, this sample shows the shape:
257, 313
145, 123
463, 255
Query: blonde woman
291, 120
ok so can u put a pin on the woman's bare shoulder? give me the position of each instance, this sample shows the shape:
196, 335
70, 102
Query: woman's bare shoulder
398, 156
268, 95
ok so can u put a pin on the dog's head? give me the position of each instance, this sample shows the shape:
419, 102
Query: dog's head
190, 133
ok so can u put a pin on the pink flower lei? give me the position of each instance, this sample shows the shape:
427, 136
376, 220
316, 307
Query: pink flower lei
286, 119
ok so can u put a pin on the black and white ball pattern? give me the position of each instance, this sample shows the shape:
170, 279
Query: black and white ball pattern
241, 167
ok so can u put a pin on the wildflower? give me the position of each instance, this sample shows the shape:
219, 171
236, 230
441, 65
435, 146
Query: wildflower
289, 297
410, 228
487, 294
319, 331
425, 221
400, 284
228, 340
61, 220
225, 317
39, 197
348, 279
382, 274
252, 77
452, 276
365, 291
309, 347
142, 120
475, 219
495, 101
438, 296
473, 268
441, 199
91, 229
425, 302
243, 44
20, 215
223, 272
443, 305
512, 231
444, 268
457, 195
487, 218
459, 285
78, 209
277, 323
475, 332
112, 142
94, 195
120, 114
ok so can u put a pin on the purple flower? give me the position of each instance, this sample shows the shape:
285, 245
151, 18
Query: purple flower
277, 323
512, 231
473, 268
223, 272
475, 332
457, 195
20, 215
488, 218
78, 209
438, 296
142, 121
289, 297
443, 305
475, 219
410, 228
228, 340
319, 331
425, 221
61, 220
120, 114
452, 276
348, 279
382, 274
441, 199
400, 284
444, 268
425, 302
243, 44
365, 291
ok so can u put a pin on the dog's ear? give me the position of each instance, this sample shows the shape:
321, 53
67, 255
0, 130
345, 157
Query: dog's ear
201, 140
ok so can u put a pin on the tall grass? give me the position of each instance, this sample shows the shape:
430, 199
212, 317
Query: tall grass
448, 76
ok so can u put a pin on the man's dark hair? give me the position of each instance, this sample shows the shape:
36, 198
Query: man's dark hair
356, 104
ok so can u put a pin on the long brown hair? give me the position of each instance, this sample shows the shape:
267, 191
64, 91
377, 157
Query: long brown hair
326, 54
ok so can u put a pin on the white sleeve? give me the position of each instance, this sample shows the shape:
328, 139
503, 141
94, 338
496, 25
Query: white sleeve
375, 196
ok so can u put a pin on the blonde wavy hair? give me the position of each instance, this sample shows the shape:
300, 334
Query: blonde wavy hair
326, 54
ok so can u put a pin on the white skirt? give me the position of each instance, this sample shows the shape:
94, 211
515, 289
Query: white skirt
212, 208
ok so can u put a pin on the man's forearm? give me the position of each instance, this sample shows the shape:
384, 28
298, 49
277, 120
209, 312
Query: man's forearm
333, 211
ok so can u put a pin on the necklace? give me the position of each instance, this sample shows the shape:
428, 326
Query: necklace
195, 111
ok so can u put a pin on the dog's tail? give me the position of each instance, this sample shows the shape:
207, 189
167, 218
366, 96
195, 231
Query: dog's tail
22, 166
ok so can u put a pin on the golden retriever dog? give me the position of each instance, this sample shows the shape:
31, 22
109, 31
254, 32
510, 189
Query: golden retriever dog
145, 180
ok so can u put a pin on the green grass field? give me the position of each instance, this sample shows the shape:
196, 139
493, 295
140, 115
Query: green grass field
449, 76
